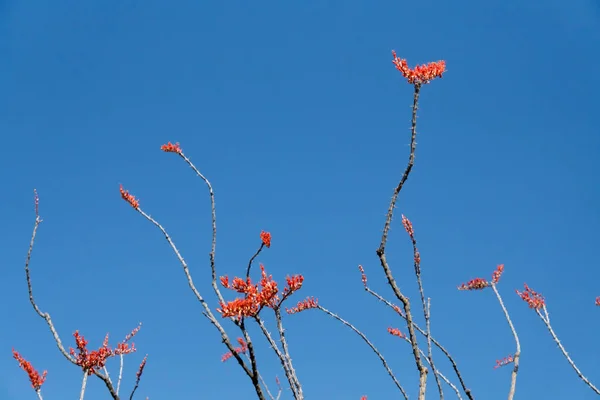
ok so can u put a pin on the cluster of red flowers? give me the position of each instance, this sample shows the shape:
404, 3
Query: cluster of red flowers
532, 298
598, 301
504, 361
243, 347
396, 332
481, 283
129, 198
307, 304
474, 284
497, 273
89, 361
257, 296
265, 237
35, 378
420, 74
171, 148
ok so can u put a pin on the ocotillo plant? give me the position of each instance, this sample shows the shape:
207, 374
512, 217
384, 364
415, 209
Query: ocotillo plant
265, 295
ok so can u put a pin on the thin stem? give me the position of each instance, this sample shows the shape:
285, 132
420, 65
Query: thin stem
83, 384
213, 248
120, 372
426, 304
422, 332
44, 315
286, 352
252, 259
381, 250
207, 311
564, 351
440, 374
371, 345
513, 380
282, 358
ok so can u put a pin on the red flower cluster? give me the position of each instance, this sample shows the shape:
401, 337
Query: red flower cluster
171, 148
420, 74
89, 361
474, 284
497, 273
532, 298
481, 283
504, 361
257, 296
303, 305
241, 349
35, 378
133, 202
266, 238
396, 332
598, 301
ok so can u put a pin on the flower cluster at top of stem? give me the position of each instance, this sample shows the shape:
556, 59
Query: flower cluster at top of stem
243, 347
90, 361
421, 74
35, 378
532, 298
481, 283
171, 148
257, 296
265, 237
129, 198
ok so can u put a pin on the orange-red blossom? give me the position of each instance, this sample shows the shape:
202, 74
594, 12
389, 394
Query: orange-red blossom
90, 361
266, 238
504, 361
532, 298
257, 296
421, 74
171, 148
35, 378
129, 198
481, 283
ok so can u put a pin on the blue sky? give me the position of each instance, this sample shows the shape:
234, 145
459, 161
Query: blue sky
297, 115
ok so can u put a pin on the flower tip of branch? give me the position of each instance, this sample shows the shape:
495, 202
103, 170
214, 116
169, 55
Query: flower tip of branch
171, 148
265, 237
129, 198
421, 74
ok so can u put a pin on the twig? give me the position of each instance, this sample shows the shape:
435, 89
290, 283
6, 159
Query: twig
513, 380
563, 350
286, 353
381, 250
426, 304
207, 311
252, 259
371, 345
45, 316
213, 248
120, 372
83, 384
437, 371
280, 355
422, 332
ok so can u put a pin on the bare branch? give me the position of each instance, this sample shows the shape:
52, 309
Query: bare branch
422, 332
513, 380
371, 345
44, 315
381, 250
207, 311
546, 320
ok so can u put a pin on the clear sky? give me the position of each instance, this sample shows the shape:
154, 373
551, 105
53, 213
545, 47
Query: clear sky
296, 113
